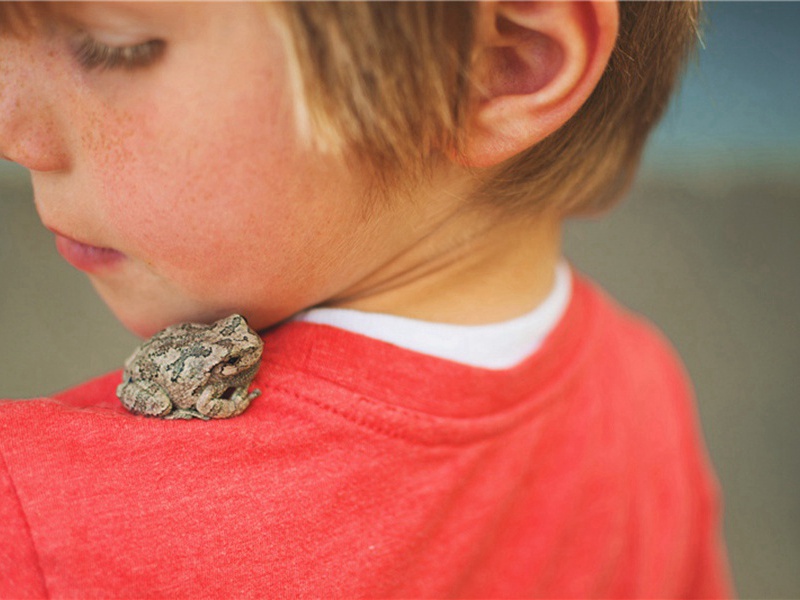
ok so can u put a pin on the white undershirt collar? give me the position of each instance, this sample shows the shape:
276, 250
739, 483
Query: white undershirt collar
494, 346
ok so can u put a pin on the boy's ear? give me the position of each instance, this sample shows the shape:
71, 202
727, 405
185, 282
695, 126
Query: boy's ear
535, 64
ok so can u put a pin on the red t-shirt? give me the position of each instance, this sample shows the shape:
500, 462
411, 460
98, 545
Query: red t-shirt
368, 470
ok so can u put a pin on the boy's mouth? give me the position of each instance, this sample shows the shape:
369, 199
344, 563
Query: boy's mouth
84, 256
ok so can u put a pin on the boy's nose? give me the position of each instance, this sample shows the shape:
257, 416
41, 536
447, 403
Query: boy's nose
31, 141
30, 131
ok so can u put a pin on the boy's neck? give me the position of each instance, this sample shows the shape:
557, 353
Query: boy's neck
464, 272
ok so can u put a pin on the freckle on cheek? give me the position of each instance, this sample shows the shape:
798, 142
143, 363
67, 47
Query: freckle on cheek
116, 148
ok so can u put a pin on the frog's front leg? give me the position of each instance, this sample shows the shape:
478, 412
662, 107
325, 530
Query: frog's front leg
145, 398
223, 408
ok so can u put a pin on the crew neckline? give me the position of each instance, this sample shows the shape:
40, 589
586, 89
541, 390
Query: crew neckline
406, 393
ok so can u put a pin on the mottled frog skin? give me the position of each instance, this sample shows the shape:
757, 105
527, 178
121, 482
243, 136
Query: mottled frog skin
192, 370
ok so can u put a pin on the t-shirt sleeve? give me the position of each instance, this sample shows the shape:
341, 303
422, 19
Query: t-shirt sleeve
20, 576
711, 573
706, 573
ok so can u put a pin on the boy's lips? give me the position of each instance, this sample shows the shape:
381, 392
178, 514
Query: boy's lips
84, 256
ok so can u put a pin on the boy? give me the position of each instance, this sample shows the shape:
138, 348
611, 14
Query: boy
445, 409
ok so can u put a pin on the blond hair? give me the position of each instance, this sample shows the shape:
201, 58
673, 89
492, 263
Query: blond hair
389, 81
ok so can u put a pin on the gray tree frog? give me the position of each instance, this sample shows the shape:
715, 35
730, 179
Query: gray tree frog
193, 370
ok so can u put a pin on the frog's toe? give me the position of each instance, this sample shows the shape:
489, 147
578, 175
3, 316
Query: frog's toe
186, 413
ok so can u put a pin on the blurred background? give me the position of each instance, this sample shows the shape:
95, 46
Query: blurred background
706, 245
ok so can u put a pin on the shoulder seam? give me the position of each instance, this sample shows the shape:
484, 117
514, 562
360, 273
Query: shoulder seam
4, 466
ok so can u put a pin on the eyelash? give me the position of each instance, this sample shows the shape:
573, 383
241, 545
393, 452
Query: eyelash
92, 54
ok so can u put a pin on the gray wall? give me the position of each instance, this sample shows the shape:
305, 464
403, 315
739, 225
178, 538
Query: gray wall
706, 246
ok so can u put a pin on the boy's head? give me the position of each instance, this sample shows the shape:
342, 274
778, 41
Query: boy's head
202, 159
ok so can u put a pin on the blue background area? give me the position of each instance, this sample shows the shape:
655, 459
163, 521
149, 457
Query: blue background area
740, 103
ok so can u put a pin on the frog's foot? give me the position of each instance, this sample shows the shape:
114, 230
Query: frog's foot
234, 404
186, 413
144, 398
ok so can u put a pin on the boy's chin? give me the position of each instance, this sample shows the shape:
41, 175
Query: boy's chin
147, 325
144, 312
145, 321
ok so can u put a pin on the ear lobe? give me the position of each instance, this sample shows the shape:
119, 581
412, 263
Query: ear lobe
535, 64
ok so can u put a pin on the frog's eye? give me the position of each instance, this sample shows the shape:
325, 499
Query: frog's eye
228, 366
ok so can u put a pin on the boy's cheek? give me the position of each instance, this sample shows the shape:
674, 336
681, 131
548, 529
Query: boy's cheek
211, 248
153, 198
194, 176
167, 171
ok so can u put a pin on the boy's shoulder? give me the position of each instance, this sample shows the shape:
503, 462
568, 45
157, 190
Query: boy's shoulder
97, 393
621, 341
634, 360
620, 333
599, 347
100, 392
596, 336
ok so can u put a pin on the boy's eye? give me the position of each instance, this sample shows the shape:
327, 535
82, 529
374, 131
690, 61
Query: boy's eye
92, 54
